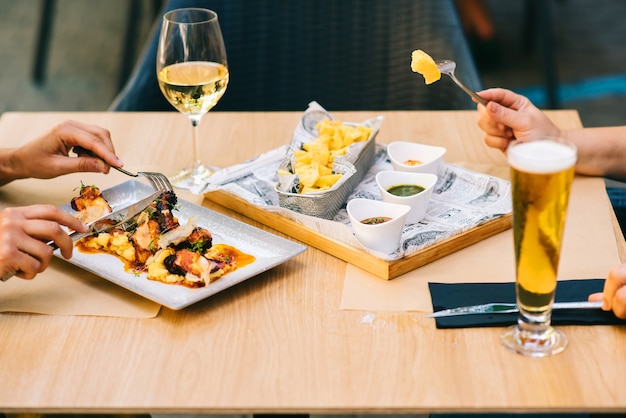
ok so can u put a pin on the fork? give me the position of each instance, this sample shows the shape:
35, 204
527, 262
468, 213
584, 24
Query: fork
447, 67
158, 180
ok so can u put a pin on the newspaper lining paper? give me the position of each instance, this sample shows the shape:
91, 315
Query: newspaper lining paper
462, 200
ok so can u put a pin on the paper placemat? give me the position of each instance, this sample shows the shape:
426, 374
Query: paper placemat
64, 289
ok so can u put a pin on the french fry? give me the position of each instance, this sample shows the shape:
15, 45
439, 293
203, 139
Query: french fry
308, 174
326, 182
314, 162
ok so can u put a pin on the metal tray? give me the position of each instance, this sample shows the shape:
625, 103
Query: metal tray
327, 203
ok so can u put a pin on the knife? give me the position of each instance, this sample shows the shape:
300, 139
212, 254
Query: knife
498, 308
105, 223
117, 217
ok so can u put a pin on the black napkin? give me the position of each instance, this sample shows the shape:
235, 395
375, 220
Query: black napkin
446, 296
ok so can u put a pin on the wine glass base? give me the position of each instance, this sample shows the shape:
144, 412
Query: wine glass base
548, 342
194, 179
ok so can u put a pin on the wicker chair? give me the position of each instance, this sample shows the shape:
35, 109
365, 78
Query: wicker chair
344, 54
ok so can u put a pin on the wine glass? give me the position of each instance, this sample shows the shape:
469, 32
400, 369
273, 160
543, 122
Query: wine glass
542, 171
192, 71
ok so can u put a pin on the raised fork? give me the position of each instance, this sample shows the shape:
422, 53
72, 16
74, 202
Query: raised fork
447, 67
158, 180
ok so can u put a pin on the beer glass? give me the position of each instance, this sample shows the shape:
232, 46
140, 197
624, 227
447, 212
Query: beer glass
542, 171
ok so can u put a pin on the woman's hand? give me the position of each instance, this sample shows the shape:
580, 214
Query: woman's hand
613, 296
24, 234
49, 155
510, 116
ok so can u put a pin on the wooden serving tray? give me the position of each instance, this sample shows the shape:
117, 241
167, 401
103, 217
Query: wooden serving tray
384, 269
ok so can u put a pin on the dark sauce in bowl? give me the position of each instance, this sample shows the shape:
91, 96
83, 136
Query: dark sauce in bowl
375, 220
405, 190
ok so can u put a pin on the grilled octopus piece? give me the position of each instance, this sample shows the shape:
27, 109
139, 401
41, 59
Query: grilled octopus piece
188, 256
199, 240
157, 220
163, 211
90, 204
186, 261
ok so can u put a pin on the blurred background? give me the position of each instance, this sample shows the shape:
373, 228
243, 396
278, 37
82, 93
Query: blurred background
92, 45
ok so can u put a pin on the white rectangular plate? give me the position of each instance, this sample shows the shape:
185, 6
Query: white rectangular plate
269, 250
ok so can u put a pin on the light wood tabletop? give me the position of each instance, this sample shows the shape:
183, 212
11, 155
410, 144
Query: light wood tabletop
279, 342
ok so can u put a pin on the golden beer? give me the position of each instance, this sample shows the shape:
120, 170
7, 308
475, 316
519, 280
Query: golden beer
542, 172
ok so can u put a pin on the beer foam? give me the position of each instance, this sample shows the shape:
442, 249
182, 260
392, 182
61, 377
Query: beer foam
541, 156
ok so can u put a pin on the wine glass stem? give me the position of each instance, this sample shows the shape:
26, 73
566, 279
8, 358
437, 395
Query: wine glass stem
197, 170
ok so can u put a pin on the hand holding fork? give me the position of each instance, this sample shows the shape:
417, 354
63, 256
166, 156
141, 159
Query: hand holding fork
158, 180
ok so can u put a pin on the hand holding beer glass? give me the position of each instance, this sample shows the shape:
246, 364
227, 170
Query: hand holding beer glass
542, 171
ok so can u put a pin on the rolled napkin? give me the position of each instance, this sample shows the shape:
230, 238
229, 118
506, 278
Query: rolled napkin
453, 295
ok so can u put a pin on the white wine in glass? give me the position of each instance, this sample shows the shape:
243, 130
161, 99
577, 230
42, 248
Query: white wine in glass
192, 71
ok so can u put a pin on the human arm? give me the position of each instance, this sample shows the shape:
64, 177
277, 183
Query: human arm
24, 234
613, 296
49, 155
509, 116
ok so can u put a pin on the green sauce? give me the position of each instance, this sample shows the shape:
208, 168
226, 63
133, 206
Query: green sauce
405, 190
375, 220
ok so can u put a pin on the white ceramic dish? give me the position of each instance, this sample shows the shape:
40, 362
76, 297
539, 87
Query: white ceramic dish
383, 237
425, 158
418, 202
270, 250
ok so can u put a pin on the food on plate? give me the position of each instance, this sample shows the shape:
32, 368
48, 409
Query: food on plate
156, 243
90, 204
314, 162
423, 64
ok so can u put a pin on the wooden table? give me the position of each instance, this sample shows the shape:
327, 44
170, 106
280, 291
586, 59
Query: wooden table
279, 342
